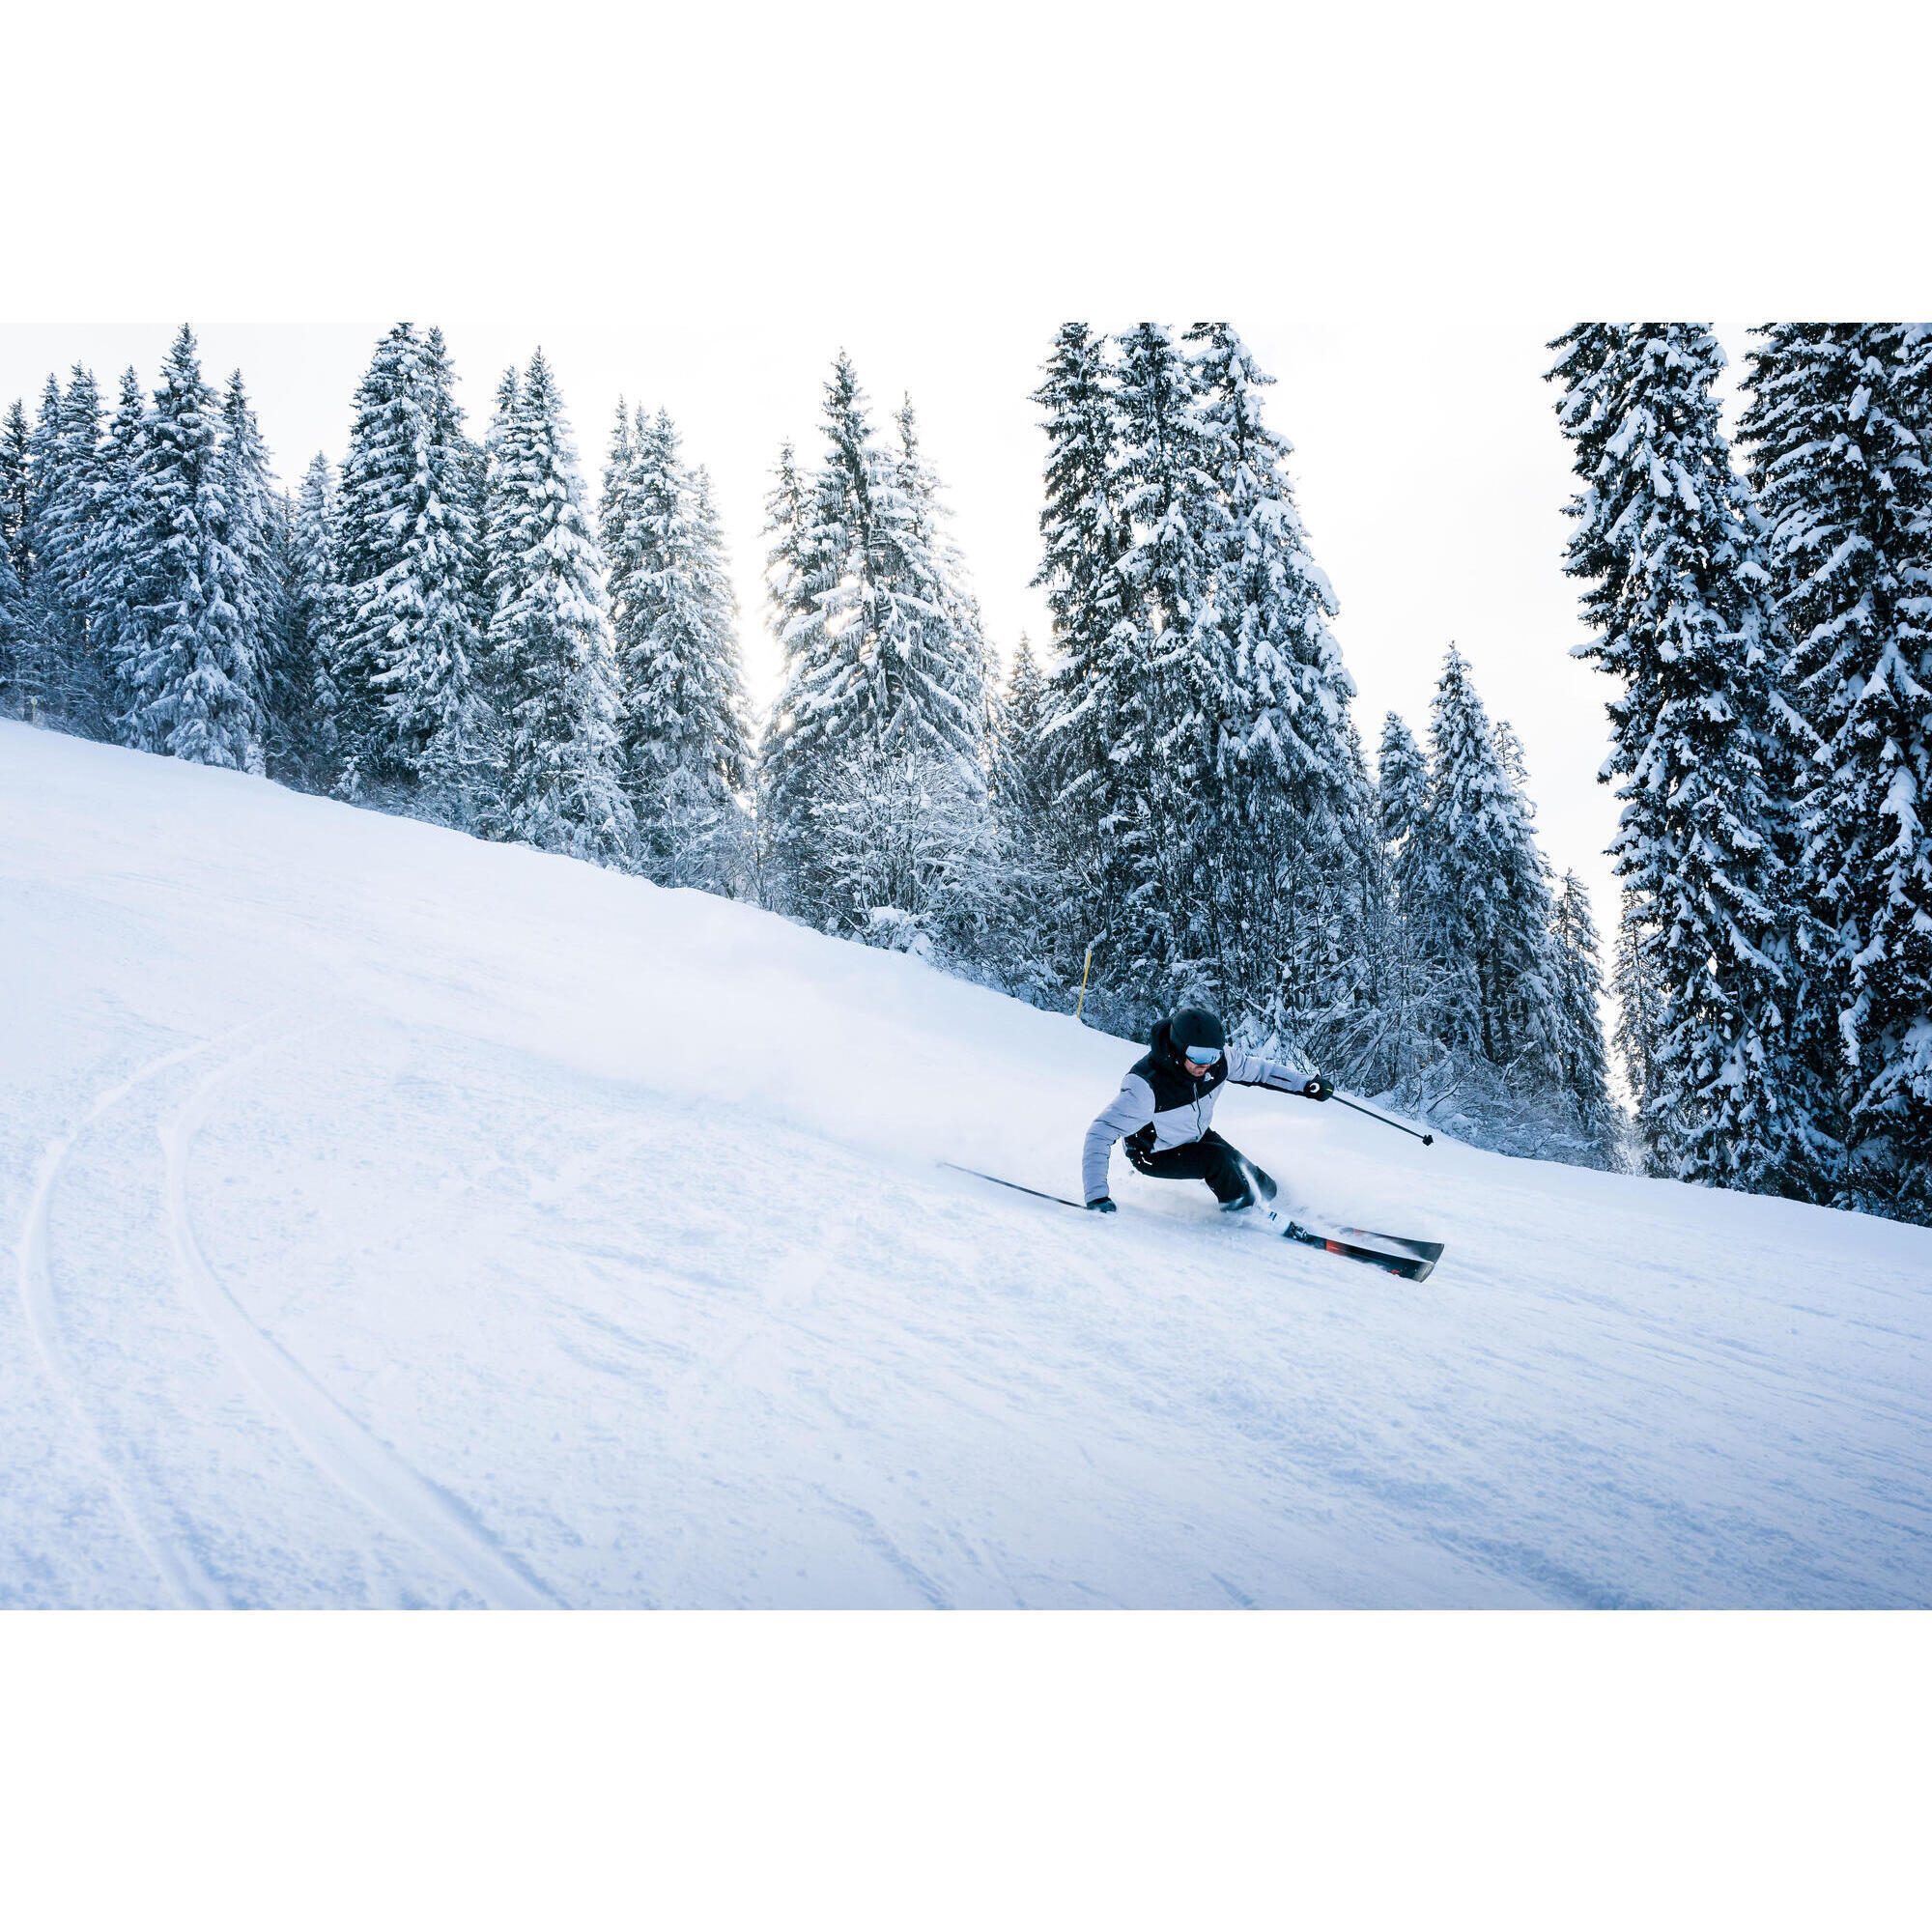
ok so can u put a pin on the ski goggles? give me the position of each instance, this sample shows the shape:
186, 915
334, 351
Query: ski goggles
1202, 1056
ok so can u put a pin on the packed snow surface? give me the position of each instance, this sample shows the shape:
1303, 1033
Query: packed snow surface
400, 1219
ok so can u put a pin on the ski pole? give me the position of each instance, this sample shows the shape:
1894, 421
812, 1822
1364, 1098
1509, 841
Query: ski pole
979, 1175
1427, 1140
1084, 971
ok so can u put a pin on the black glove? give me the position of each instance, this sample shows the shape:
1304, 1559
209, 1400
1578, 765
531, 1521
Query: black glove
1102, 1207
1318, 1089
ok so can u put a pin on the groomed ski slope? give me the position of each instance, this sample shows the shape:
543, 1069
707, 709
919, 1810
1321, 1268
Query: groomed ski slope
402, 1220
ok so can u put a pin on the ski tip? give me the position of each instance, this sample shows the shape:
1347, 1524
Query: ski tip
1411, 1261
1401, 1245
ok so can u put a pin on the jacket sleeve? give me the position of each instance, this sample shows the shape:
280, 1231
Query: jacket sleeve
1248, 1070
1133, 1110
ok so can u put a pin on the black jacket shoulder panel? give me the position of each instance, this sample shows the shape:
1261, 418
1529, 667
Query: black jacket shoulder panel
1172, 1088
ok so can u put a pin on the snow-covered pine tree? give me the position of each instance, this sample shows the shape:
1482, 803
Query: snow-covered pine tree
437, 693
820, 524
410, 707
311, 634
198, 678
472, 484
280, 702
248, 534
992, 717
1282, 836
932, 642
681, 730
1579, 991
615, 534
713, 570
1378, 1032
1021, 772
833, 688
13, 619
119, 565
1402, 805
1667, 543
797, 562
898, 675
17, 644
16, 472
372, 511
1163, 669
1386, 1032
550, 659
67, 510
45, 632
1329, 963
1839, 431
1084, 535
726, 834
1509, 752
44, 453
1639, 1036
1080, 522
1481, 892
1042, 933
877, 657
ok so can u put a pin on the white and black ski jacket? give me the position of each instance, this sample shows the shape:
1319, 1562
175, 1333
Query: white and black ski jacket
1159, 1105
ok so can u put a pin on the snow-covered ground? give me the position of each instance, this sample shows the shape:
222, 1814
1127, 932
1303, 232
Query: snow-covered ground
400, 1219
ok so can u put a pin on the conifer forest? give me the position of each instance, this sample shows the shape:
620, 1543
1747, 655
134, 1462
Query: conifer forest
1168, 799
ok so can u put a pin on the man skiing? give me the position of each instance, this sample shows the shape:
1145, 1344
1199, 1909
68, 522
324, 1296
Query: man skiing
1165, 1106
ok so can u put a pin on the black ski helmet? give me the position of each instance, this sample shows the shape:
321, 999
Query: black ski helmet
1195, 1025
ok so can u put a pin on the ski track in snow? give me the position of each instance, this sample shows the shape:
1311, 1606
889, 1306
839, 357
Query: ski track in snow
356, 1461
154, 1527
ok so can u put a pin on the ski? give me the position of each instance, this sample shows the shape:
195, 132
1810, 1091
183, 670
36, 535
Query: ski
1413, 1261
1414, 1265
1423, 1251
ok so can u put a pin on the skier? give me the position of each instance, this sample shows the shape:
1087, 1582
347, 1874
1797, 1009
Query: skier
1164, 1107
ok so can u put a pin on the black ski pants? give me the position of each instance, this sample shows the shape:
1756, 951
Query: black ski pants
1225, 1168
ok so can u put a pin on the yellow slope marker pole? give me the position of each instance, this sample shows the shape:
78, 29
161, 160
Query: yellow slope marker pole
1084, 971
